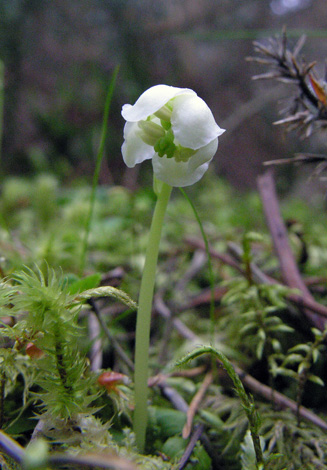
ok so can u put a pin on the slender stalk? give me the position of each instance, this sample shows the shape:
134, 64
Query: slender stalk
142, 338
2, 94
211, 275
98, 166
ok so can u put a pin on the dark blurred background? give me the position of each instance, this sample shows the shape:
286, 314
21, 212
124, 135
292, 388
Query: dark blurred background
59, 56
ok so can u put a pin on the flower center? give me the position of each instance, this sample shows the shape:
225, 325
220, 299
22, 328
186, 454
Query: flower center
150, 132
161, 137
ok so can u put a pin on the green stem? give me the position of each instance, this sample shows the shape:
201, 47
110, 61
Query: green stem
211, 275
99, 158
2, 94
142, 337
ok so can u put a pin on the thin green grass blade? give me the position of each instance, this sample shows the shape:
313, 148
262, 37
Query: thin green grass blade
104, 132
2, 97
211, 276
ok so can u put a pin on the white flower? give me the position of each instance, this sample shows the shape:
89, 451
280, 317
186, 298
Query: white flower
173, 127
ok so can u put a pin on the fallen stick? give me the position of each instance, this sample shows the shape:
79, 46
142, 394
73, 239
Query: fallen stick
289, 270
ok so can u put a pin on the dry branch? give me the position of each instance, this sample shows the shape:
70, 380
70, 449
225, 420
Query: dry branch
288, 266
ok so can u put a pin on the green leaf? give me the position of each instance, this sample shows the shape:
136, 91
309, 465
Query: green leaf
169, 421
293, 359
211, 418
315, 379
305, 348
89, 282
248, 327
174, 447
260, 349
200, 459
286, 372
315, 355
277, 347
281, 328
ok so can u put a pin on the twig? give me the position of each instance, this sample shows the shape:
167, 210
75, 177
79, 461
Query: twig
174, 397
11, 448
164, 311
288, 266
195, 403
190, 446
119, 350
96, 348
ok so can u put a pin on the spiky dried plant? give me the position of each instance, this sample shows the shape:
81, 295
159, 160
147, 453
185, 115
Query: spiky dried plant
306, 109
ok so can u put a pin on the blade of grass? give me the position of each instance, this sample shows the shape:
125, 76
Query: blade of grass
3, 222
2, 97
211, 276
99, 158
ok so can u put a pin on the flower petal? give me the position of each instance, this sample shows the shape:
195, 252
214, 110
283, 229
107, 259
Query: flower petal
151, 101
134, 150
184, 173
193, 123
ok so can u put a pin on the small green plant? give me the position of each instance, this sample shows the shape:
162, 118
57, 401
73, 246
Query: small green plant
45, 349
258, 306
302, 357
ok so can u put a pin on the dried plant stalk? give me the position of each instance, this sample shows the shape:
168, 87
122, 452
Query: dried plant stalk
306, 109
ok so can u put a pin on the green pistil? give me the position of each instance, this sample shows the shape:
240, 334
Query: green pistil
165, 145
161, 138
164, 113
151, 132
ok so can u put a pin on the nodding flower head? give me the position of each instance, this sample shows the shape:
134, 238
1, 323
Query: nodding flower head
173, 127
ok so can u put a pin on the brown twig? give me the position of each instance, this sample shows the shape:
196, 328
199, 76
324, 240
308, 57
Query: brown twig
288, 266
174, 397
190, 446
195, 403
96, 352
